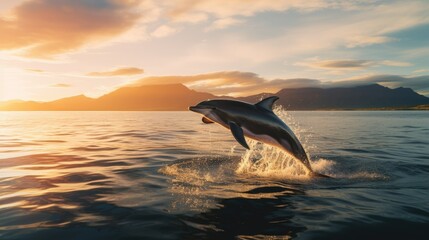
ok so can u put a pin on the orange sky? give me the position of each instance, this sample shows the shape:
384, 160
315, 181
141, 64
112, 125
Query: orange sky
51, 49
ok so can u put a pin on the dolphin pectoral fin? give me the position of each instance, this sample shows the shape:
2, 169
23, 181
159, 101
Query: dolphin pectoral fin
206, 120
267, 103
238, 134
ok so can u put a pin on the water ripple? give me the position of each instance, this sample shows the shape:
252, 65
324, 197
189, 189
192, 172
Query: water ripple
132, 175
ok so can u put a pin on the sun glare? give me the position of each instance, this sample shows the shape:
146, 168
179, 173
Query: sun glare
12, 88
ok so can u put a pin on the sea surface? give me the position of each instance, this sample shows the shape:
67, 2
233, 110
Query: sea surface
166, 175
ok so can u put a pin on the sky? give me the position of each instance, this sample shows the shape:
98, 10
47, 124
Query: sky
51, 49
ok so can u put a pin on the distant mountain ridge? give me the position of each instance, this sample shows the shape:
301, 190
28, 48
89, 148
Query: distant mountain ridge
177, 97
366, 96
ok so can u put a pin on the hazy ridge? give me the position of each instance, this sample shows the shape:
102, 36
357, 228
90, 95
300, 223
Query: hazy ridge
177, 97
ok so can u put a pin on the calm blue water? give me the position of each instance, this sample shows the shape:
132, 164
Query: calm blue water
165, 175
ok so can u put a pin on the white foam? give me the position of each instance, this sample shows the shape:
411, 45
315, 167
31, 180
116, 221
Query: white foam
361, 175
192, 175
268, 161
323, 165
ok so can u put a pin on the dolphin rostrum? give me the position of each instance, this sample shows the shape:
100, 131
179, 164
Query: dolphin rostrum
256, 121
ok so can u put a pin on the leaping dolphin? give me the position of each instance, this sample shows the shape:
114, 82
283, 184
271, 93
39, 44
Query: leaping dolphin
256, 121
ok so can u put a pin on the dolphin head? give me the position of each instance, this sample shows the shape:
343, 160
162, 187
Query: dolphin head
204, 107
212, 110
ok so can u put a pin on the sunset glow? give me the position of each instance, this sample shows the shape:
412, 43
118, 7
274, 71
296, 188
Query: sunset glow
214, 119
51, 49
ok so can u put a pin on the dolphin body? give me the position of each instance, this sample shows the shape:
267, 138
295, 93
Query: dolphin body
256, 121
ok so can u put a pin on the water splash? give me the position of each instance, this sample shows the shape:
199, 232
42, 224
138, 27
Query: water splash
268, 161
323, 165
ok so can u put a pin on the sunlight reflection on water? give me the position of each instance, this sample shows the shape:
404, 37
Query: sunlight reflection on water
89, 175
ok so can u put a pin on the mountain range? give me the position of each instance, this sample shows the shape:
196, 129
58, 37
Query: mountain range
177, 97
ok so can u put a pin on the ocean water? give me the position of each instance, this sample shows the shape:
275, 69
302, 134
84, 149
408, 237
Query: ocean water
166, 175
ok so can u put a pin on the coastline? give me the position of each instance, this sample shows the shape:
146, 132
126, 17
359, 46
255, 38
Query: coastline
414, 108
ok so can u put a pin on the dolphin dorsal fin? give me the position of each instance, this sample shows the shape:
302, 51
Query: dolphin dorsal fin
238, 134
267, 103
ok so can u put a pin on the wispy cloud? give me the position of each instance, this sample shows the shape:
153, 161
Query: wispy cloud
229, 83
244, 83
44, 28
350, 64
358, 40
421, 71
356, 29
396, 63
224, 23
61, 85
183, 10
345, 64
62, 26
417, 83
163, 31
337, 64
35, 70
127, 71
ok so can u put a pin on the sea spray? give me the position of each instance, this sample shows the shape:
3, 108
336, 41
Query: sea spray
269, 161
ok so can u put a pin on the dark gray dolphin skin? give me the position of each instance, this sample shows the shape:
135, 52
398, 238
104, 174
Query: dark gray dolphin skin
256, 121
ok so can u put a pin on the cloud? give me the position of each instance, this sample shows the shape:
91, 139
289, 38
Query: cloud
61, 85
337, 64
417, 83
226, 13
229, 83
374, 25
45, 28
350, 64
35, 70
323, 35
235, 83
396, 63
365, 40
345, 64
367, 22
224, 23
189, 10
117, 72
163, 31
421, 70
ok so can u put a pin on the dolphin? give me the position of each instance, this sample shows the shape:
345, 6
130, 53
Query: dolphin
255, 121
